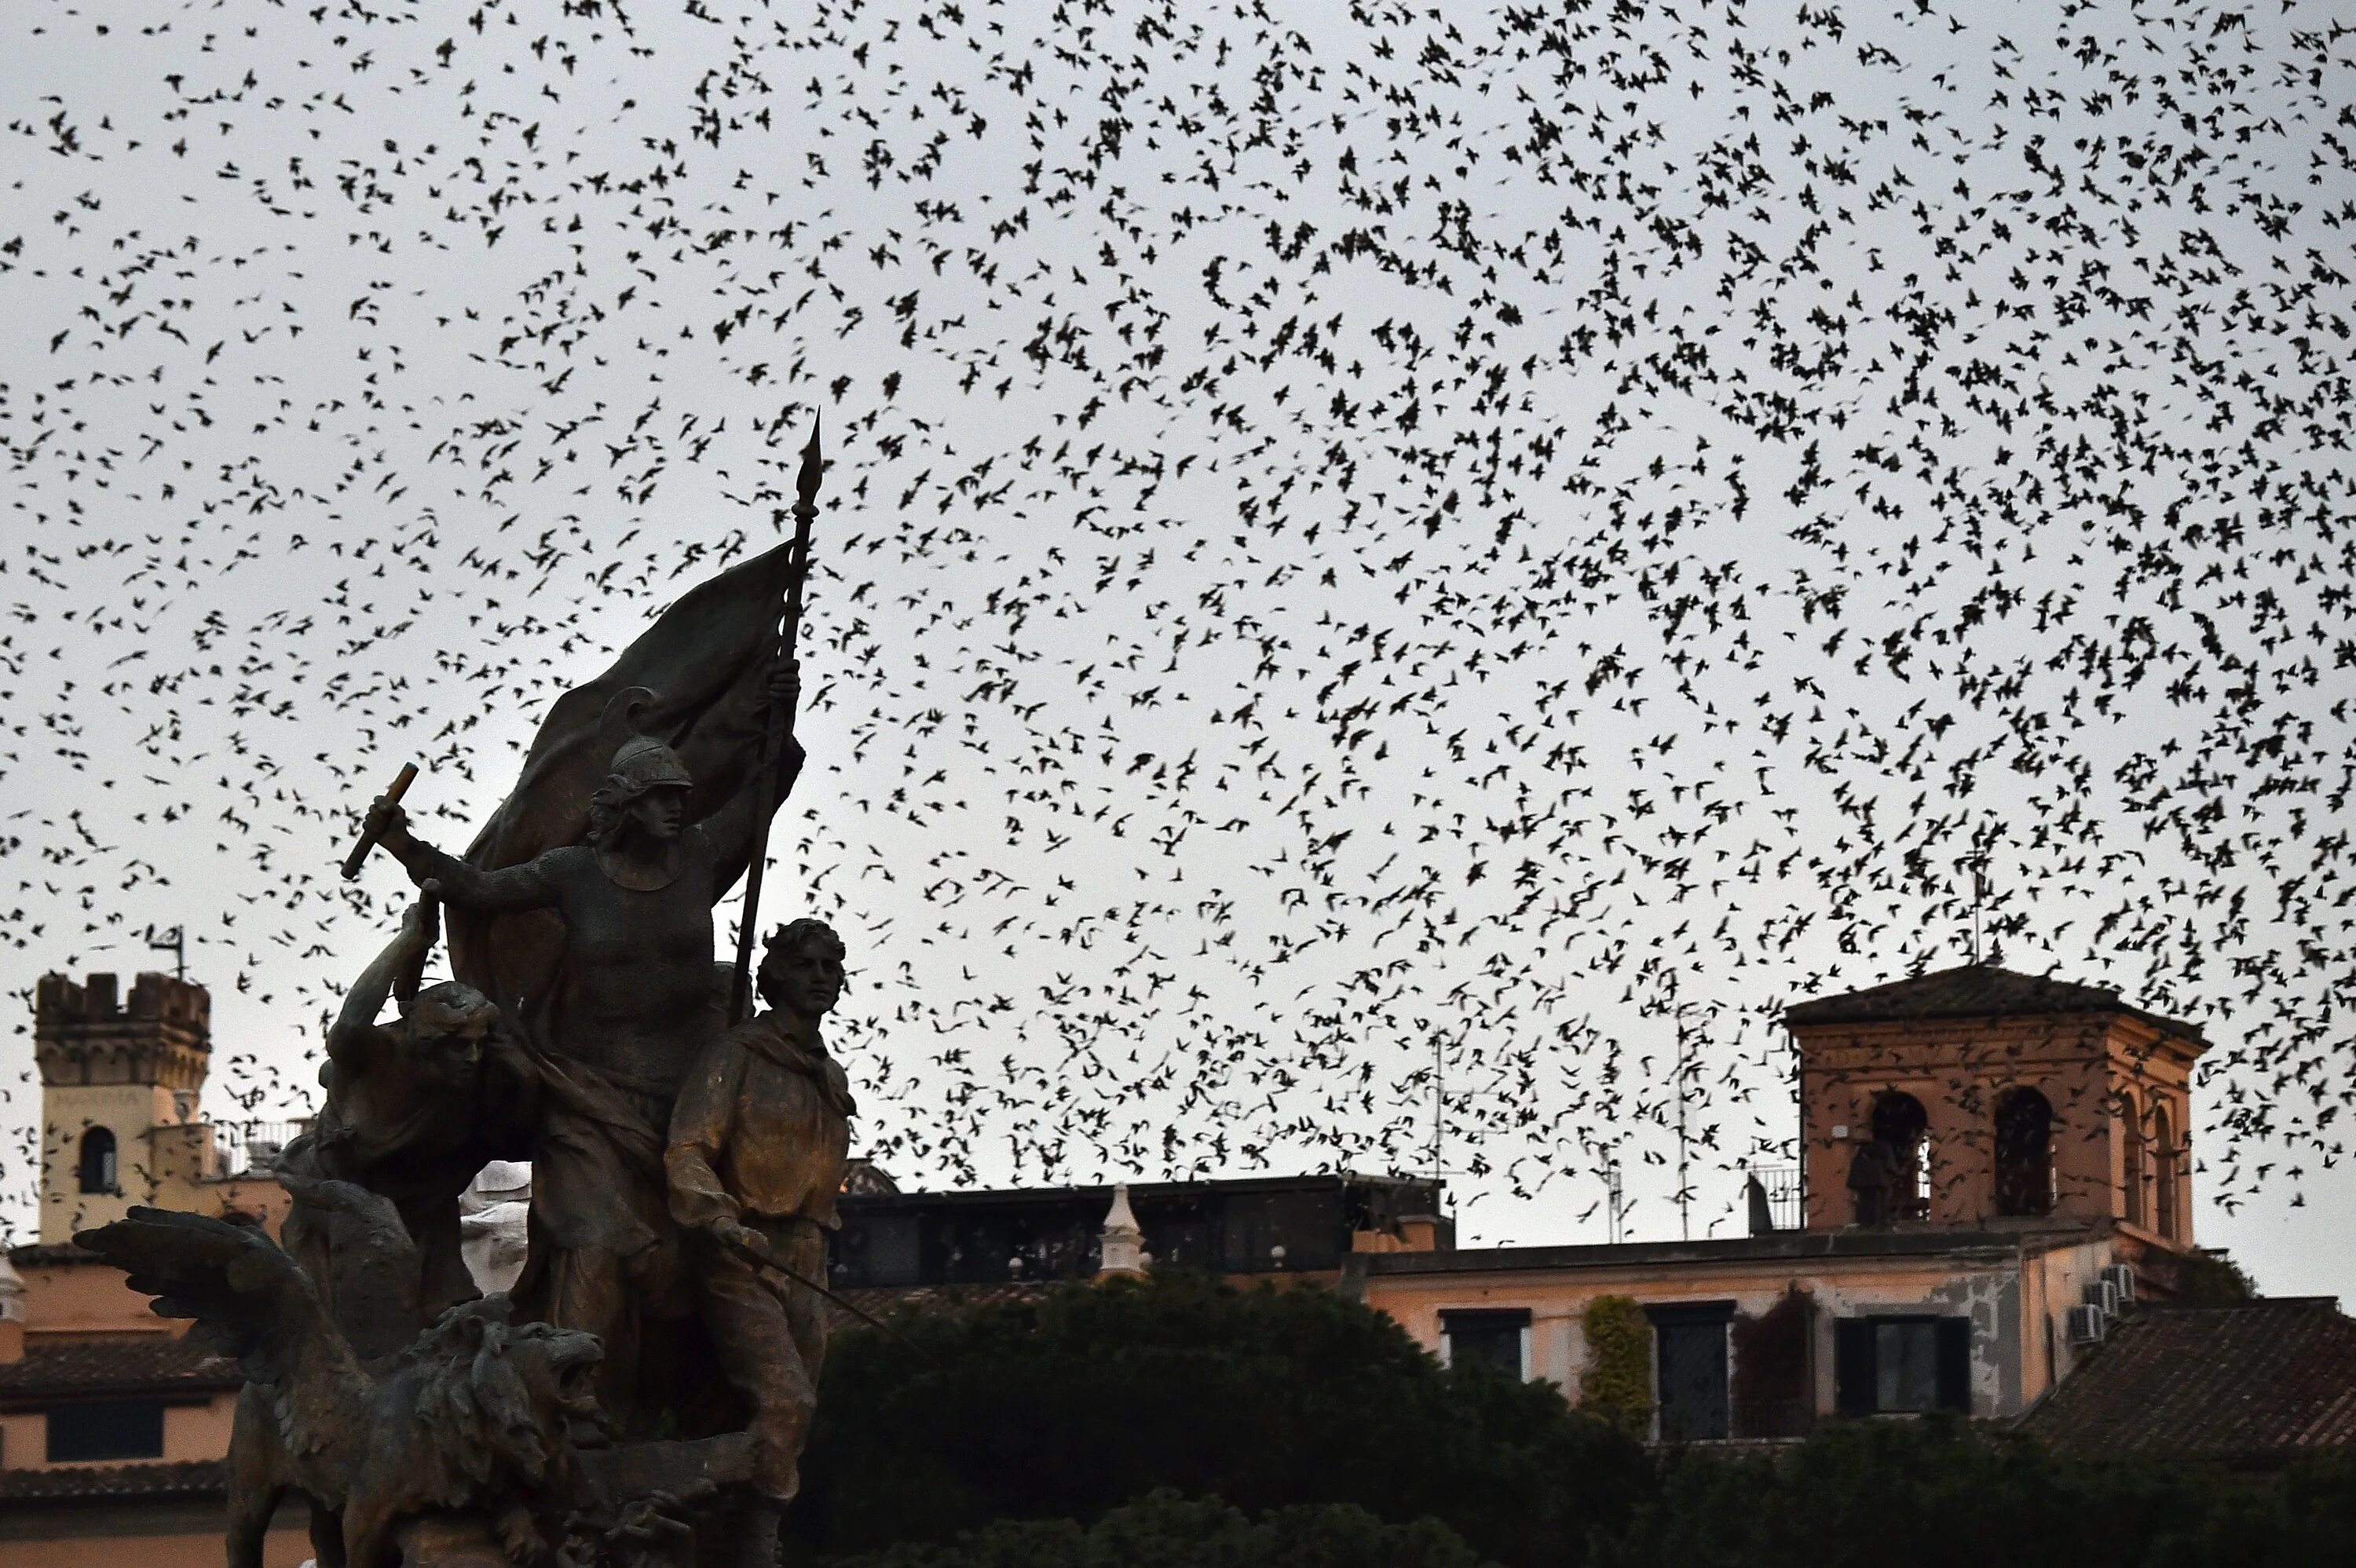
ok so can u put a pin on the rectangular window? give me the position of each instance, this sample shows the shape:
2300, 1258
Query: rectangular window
1690, 1342
106, 1429
1902, 1365
1500, 1338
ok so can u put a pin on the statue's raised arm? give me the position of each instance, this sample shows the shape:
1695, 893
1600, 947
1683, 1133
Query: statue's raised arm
436, 873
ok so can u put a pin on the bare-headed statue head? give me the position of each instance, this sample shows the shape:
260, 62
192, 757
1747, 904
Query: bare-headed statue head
801, 970
446, 1024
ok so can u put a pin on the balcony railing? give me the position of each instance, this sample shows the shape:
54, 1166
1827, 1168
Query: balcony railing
1786, 1202
251, 1147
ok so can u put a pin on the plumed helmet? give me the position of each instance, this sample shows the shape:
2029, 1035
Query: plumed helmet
644, 763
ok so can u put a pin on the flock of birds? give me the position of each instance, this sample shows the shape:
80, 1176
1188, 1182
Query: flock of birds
1374, 557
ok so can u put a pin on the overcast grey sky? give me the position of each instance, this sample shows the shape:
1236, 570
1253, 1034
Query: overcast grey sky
1552, 533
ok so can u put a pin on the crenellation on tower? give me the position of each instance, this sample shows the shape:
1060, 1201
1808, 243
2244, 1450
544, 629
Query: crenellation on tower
121, 1081
83, 1035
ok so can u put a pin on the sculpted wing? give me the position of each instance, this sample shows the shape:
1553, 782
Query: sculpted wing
250, 1302
372, 1284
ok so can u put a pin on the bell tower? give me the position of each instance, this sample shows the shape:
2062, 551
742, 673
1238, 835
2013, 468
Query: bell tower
1976, 1096
119, 1090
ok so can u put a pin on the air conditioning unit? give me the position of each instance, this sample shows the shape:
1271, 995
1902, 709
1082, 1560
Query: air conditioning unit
2087, 1325
2103, 1296
2122, 1276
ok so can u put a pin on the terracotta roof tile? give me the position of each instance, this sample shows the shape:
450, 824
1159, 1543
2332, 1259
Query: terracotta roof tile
181, 1479
125, 1364
1969, 991
883, 1300
2269, 1380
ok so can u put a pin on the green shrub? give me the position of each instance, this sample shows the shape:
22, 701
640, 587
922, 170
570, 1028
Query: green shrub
1165, 1531
1070, 1406
1939, 1493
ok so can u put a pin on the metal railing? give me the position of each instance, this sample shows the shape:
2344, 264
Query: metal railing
251, 1148
1786, 1202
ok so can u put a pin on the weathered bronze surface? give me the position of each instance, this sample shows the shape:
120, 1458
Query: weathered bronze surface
642, 1400
412, 1111
758, 1143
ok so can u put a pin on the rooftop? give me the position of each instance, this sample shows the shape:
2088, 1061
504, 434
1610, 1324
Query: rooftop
119, 1364
1332, 1181
185, 1479
1972, 991
1778, 1246
882, 1300
2254, 1384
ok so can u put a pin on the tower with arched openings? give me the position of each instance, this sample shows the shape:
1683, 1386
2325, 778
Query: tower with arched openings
1979, 1097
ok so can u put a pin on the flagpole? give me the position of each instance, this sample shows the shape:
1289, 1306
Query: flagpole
780, 725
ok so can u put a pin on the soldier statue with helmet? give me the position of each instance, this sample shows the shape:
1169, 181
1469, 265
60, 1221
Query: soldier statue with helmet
630, 1011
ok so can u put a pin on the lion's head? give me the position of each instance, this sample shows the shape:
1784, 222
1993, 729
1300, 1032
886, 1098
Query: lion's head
500, 1400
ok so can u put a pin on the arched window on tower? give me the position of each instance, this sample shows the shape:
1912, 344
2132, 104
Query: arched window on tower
2164, 1156
98, 1172
1900, 1122
2024, 1153
2131, 1161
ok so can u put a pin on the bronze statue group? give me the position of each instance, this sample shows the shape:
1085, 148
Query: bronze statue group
643, 1394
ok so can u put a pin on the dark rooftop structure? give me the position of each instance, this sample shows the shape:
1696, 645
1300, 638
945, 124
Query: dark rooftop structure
1292, 1224
1775, 1246
2257, 1384
120, 1365
1970, 991
182, 1480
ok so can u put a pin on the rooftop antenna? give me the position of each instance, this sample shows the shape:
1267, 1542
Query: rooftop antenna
1439, 1102
175, 942
1979, 908
1685, 1151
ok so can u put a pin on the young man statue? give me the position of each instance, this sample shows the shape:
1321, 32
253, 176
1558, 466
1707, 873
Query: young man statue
758, 1142
414, 1110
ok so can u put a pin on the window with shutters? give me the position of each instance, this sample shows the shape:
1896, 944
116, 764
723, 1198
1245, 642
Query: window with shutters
1690, 1347
1902, 1365
1498, 1338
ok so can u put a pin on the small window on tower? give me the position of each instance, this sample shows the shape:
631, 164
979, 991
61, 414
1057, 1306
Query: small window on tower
98, 1172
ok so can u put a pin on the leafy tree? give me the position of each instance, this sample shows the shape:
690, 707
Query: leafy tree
2213, 1279
1068, 1407
1940, 1494
1165, 1531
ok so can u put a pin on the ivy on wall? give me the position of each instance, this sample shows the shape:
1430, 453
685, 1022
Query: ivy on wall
1618, 1381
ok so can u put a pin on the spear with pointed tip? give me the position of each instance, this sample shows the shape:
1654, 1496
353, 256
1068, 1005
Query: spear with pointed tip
780, 725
